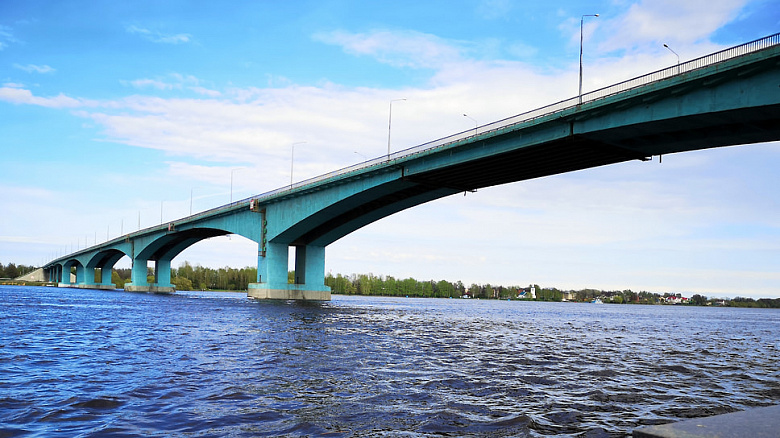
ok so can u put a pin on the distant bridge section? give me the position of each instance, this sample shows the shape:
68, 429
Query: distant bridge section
730, 97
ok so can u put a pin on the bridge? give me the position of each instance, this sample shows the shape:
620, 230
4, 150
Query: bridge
730, 97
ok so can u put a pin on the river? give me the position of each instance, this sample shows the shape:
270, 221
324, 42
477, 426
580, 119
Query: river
93, 363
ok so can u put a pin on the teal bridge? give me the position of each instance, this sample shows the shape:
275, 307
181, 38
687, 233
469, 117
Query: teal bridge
731, 97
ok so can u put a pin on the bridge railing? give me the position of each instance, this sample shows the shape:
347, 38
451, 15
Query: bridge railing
665, 73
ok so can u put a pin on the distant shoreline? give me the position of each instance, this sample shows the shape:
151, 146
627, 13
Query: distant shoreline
761, 303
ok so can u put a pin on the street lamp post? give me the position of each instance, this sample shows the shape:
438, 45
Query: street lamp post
389, 124
292, 160
231, 184
675, 54
476, 125
582, 20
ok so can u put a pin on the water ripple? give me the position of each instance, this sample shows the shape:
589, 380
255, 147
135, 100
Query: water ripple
103, 363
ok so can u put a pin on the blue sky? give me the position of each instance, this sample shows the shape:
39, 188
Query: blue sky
115, 111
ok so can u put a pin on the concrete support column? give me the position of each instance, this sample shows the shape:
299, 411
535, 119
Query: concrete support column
105, 276
310, 265
309, 274
272, 269
300, 265
162, 273
81, 274
139, 283
89, 276
65, 274
138, 273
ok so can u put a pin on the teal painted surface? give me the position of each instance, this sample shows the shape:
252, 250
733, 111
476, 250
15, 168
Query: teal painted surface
734, 101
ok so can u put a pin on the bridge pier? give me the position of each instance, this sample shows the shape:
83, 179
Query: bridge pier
89, 276
139, 282
272, 274
162, 273
64, 278
85, 277
81, 274
105, 277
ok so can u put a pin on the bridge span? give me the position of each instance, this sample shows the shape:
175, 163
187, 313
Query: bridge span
730, 97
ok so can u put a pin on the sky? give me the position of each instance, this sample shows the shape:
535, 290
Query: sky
115, 115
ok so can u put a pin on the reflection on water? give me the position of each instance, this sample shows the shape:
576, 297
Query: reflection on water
98, 363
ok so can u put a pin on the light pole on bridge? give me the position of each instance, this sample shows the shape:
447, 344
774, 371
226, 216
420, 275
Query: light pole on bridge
292, 160
231, 182
476, 125
675, 54
582, 20
389, 126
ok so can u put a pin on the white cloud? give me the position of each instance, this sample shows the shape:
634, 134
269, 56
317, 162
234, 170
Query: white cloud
205, 91
494, 9
397, 48
32, 68
159, 37
173, 81
670, 21
22, 96
6, 37
150, 83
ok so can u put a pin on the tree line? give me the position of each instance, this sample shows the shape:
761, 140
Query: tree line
13, 270
189, 277
370, 284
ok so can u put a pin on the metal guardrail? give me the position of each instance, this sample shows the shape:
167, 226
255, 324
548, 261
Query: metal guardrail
640, 81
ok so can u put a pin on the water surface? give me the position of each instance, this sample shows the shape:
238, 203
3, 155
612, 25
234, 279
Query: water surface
111, 363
